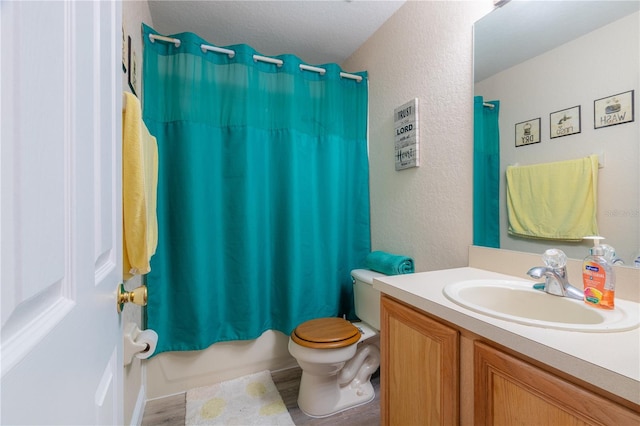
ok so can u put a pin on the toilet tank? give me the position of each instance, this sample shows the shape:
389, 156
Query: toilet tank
366, 298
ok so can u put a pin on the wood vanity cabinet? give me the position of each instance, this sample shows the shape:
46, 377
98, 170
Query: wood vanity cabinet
433, 373
418, 368
509, 391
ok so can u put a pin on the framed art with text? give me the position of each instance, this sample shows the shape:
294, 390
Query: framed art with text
612, 110
528, 132
564, 122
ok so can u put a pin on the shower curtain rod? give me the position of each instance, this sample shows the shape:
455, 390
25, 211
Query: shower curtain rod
231, 54
488, 105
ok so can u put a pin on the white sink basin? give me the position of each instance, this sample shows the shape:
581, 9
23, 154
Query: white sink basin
517, 301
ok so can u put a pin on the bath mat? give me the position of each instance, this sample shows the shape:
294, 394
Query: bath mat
248, 400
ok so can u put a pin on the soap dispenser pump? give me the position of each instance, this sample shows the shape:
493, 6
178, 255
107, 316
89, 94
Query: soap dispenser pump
598, 277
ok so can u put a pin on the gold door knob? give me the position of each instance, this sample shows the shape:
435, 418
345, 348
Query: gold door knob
137, 296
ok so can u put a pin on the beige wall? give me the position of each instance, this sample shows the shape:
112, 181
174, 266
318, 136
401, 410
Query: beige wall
424, 51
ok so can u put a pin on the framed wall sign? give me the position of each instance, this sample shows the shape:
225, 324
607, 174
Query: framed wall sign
564, 122
528, 132
132, 74
407, 135
125, 51
612, 110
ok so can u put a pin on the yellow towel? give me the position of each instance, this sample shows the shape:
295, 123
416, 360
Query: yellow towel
553, 200
139, 190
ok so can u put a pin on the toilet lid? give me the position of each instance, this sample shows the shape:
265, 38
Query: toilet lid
326, 333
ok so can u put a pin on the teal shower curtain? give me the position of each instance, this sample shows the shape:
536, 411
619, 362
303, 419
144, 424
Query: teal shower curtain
486, 174
263, 193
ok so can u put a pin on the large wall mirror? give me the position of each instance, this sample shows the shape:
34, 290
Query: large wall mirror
541, 57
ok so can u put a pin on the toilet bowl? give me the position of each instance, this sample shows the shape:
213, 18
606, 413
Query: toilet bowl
337, 357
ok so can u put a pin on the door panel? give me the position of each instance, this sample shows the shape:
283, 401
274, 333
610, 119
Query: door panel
36, 289
60, 212
104, 153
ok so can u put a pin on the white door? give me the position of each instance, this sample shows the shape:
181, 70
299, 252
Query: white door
60, 212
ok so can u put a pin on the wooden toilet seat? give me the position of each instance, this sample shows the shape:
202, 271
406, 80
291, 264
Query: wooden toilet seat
326, 333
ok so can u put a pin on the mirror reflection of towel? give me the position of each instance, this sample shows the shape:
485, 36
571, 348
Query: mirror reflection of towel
553, 200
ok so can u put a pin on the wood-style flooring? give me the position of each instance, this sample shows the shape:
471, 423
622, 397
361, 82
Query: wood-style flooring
170, 411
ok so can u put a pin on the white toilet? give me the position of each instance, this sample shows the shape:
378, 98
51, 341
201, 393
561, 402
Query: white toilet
338, 357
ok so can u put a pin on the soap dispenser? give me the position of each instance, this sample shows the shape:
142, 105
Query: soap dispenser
598, 277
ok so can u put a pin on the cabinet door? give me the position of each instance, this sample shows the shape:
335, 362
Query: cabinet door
419, 368
509, 391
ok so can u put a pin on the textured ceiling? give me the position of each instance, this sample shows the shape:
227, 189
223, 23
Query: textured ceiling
318, 32
520, 30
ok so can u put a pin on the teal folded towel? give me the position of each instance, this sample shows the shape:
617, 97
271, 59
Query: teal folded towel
388, 263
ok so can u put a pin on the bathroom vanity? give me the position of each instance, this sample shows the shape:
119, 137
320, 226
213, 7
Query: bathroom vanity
445, 364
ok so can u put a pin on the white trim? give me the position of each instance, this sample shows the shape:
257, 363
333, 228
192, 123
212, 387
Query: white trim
138, 410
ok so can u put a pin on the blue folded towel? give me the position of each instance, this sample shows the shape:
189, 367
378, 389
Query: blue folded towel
388, 263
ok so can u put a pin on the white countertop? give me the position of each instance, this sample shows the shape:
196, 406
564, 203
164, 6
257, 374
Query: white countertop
610, 361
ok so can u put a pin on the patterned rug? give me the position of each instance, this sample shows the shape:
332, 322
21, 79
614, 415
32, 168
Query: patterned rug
246, 401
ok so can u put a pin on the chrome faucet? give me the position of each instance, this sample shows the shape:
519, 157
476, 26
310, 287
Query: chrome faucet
556, 280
